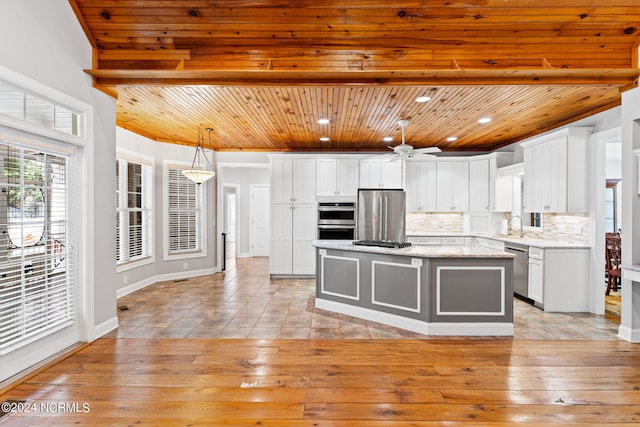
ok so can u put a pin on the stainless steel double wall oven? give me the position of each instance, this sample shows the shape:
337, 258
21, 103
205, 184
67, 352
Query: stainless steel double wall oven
336, 220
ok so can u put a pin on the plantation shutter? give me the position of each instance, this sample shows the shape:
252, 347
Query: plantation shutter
184, 213
37, 286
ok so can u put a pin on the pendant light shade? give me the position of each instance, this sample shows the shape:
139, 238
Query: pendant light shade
201, 168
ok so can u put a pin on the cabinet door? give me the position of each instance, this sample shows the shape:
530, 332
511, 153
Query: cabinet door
326, 177
527, 195
413, 181
304, 233
280, 256
460, 179
479, 185
347, 177
536, 280
370, 173
444, 178
557, 177
428, 186
304, 181
281, 185
390, 174
539, 179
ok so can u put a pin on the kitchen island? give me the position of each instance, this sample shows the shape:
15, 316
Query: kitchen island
447, 290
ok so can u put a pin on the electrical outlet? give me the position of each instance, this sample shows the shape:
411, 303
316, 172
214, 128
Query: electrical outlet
185, 266
125, 280
577, 229
562, 228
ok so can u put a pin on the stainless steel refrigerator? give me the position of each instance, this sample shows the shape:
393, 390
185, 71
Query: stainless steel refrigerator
381, 215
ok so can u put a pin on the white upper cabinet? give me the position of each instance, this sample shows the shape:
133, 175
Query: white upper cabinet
452, 179
281, 182
293, 180
378, 173
479, 193
304, 181
556, 172
337, 177
421, 187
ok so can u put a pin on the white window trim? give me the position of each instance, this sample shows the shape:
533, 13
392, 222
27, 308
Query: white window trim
85, 111
81, 147
132, 156
166, 256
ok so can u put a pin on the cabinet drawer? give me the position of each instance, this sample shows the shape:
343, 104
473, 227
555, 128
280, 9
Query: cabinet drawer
425, 241
536, 253
453, 241
490, 244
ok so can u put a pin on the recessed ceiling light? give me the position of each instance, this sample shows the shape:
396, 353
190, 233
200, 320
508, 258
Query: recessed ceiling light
452, 138
387, 139
484, 120
423, 98
323, 121
324, 138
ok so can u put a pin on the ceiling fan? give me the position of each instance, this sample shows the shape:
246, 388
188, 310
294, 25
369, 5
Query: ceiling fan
405, 151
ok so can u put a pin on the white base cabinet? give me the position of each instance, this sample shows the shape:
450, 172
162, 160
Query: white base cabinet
558, 279
293, 230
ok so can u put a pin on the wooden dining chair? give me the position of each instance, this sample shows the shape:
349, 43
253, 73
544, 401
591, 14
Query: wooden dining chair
613, 261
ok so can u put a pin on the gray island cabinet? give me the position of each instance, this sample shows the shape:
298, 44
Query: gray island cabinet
448, 290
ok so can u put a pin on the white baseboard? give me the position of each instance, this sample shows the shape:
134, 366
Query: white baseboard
103, 328
419, 326
244, 255
626, 333
164, 277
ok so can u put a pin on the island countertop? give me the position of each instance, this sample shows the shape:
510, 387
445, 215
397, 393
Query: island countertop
415, 251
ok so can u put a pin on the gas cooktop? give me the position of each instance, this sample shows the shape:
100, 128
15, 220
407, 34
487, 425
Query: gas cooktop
381, 243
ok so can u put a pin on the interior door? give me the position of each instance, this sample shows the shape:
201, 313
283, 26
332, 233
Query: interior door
259, 233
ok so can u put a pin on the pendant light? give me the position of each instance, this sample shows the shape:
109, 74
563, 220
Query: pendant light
201, 170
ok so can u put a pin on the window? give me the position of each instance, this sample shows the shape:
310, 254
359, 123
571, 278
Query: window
185, 227
610, 206
133, 210
20, 104
37, 290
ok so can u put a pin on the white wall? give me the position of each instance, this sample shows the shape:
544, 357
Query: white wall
171, 269
42, 40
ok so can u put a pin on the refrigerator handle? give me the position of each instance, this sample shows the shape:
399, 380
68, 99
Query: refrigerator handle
386, 206
380, 218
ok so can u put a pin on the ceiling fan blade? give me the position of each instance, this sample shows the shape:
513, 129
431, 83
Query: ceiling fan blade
393, 159
427, 150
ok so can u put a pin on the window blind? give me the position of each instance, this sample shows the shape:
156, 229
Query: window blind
185, 213
133, 211
37, 287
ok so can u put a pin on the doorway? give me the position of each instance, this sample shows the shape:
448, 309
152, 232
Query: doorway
230, 220
613, 224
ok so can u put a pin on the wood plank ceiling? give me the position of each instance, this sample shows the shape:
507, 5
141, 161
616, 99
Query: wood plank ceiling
260, 73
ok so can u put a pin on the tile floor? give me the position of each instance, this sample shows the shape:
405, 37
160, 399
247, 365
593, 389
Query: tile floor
243, 302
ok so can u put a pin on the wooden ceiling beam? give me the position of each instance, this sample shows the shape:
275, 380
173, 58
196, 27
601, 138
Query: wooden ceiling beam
144, 55
540, 76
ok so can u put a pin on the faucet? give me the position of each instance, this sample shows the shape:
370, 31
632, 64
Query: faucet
521, 227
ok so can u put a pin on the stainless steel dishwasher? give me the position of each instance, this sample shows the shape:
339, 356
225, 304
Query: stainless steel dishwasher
520, 268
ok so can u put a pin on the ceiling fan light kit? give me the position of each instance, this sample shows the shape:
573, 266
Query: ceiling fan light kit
404, 151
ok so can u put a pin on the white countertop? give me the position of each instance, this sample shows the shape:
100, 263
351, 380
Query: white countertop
527, 241
415, 251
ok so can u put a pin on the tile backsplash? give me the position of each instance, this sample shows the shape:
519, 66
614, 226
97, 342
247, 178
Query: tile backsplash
438, 223
565, 227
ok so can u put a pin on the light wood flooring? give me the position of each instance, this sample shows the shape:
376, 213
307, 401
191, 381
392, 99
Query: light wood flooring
567, 369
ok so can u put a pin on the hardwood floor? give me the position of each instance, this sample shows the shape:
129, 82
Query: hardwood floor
581, 375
